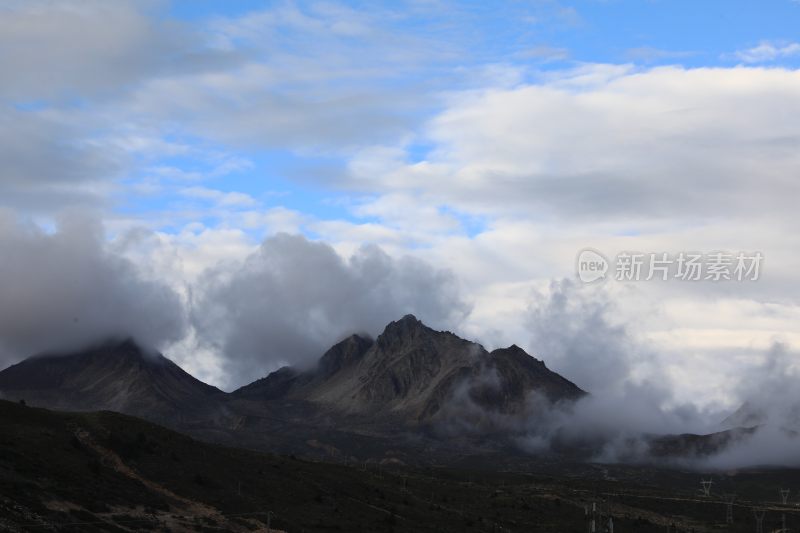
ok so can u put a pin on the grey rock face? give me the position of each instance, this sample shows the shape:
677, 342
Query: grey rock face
411, 371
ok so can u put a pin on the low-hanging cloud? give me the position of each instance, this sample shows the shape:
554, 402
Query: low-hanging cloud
577, 329
572, 326
65, 290
771, 402
575, 326
293, 298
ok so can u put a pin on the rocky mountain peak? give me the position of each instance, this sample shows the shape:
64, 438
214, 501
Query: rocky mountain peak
517, 354
403, 330
343, 354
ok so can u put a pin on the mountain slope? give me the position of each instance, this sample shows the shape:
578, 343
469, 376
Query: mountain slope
410, 372
117, 376
412, 393
107, 472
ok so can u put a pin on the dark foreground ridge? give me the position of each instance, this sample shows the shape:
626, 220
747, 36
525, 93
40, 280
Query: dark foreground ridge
91, 472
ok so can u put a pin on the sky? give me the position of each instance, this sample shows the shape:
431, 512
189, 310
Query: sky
242, 184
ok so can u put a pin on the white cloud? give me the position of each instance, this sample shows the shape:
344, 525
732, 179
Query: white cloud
545, 53
767, 51
604, 143
221, 198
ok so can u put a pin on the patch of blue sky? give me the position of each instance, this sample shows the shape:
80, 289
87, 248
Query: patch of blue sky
31, 106
543, 35
274, 178
417, 152
686, 32
471, 225
194, 10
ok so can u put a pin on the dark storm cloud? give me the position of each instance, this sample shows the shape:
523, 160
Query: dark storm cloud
65, 290
293, 298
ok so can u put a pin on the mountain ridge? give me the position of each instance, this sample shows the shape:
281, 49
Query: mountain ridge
411, 388
409, 371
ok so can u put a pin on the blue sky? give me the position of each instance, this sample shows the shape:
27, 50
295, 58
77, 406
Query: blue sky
533, 37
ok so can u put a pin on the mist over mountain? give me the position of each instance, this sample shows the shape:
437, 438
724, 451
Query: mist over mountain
63, 290
115, 376
265, 311
408, 386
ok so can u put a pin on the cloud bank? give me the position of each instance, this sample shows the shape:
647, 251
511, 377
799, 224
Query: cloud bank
577, 330
609, 142
65, 290
293, 298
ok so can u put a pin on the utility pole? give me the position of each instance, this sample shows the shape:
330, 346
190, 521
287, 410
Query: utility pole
729, 499
706, 483
759, 514
784, 500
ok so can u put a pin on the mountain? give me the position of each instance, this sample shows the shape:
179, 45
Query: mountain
747, 415
413, 395
410, 372
115, 376
364, 397
779, 412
